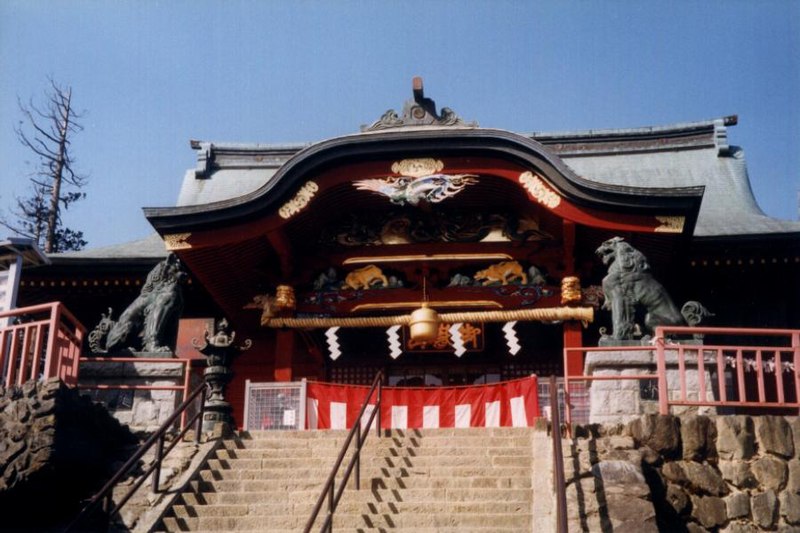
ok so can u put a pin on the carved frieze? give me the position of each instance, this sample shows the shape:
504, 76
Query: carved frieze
420, 181
540, 191
419, 227
300, 200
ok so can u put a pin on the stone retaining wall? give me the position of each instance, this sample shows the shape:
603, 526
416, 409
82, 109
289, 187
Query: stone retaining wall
689, 473
56, 448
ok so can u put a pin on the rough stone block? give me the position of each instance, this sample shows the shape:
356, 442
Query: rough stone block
735, 437
678, 499
698, 436
774, 435
709, 511
793, 481
790, 507
618, 473
738, 505
764, 507
770, 472
738, 474
659, 432
702, 478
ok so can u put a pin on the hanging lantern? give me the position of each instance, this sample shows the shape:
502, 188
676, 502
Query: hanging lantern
424, 324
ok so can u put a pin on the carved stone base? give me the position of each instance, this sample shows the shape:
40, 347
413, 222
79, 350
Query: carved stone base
622, 400
140, 410
215, 413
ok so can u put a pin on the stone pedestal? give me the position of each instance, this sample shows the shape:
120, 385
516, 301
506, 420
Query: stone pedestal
142, 410
625, 399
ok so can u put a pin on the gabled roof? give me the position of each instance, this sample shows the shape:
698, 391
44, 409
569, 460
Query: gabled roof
680, 156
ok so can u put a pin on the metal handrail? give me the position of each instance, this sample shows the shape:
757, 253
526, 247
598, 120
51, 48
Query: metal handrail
328, 491
559, 485
104, 495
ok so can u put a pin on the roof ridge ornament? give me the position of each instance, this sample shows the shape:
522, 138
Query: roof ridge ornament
419, 111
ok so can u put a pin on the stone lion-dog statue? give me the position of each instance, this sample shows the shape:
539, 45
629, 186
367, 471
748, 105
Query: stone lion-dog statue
150, 322
629, 287
502, 273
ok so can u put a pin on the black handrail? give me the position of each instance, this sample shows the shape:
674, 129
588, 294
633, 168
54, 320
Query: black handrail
559, 485
104, 495
355, 461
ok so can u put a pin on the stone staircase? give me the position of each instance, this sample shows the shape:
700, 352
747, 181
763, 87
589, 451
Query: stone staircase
443, 480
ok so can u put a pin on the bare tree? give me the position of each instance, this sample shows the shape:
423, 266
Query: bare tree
47, 132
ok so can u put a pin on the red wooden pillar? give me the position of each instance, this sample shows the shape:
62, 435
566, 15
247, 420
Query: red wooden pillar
573, 337
284, 352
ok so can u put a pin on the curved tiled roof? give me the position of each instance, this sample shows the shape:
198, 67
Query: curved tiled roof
683, 155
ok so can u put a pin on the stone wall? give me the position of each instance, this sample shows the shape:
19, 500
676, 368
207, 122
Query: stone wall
56, 448
689, 473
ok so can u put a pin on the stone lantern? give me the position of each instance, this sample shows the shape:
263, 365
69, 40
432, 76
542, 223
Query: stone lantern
219, 351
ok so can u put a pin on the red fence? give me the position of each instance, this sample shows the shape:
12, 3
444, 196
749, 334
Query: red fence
509, 403
761, 370
39, 342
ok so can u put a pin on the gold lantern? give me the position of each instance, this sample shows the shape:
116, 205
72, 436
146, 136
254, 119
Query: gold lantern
424, 323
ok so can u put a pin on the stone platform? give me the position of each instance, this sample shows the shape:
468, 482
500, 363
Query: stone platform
143, 410
625, 399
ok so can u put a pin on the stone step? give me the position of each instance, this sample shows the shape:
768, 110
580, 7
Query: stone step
372, 449
416, 482
521, 521
322, 472
348, 507
434, 441
518, 477
325, 434
378, 460
340, 529
375, 494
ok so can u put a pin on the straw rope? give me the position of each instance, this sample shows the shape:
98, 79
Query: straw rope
546, 314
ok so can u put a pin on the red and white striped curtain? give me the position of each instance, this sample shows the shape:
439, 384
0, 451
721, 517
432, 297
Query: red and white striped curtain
506, 404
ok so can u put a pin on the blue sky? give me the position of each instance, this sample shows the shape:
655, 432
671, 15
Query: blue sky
152, 75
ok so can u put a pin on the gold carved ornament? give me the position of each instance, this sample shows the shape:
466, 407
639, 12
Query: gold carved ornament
177, 241
417, 168
670, 224
540, 191
300, 200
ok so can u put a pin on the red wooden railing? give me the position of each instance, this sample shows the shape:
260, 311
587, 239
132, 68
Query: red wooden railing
40, 342
763, 373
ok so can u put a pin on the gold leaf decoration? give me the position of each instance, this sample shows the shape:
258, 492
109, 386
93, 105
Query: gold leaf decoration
540, 191
417, 168
300, 200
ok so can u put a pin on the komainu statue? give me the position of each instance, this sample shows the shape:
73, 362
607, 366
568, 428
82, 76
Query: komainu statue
150, 323
630, 290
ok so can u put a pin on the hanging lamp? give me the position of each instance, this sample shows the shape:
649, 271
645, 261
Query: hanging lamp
423, 324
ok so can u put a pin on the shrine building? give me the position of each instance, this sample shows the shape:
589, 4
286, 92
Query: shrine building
319, 253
